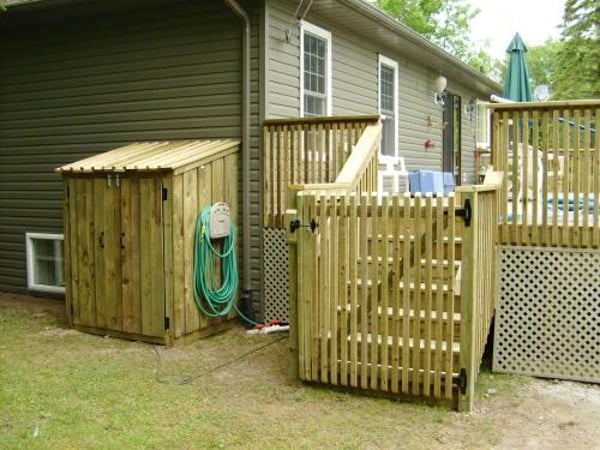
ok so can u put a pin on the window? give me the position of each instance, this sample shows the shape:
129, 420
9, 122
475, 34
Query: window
315, 71
45, 262
483, 124
388, 106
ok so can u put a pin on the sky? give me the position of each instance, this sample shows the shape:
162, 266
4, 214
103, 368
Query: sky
498, 21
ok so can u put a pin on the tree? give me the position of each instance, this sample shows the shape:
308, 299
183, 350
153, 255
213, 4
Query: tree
444, 22
541, 61
577, 72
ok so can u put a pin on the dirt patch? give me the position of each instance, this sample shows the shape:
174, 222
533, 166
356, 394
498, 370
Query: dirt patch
237, 379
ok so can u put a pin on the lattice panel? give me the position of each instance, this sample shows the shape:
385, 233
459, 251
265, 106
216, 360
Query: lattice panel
548, 313
275, 262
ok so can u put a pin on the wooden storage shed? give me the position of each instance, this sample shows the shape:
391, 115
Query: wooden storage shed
130, 216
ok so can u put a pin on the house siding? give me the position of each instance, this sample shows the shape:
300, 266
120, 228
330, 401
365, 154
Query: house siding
355, 86
78, 86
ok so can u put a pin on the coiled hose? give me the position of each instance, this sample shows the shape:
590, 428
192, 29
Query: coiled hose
211, 300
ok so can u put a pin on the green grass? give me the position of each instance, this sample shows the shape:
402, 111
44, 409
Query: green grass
60, 388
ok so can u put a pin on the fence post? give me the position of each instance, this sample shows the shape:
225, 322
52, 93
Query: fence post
292, 214
468, 359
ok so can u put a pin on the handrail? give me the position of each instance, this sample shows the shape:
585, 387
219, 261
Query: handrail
315, 150
348, 180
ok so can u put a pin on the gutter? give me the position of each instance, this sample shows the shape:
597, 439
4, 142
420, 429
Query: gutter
243, 15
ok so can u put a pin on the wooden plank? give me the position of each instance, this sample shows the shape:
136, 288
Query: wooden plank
344, 279
324, 293
313, 319
146, 256
415, 329
396, 293
407, 230
156, 244
364, 291
302, 296
191, 206
168, 252
85, 304
384, 229
353, 239
100, 190
449, 337
596, 178
375, 278
177, 238
131, 295
438, 333
428, 304
337, 286
112, 252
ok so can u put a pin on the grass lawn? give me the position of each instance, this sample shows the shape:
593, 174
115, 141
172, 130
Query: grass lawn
60, 388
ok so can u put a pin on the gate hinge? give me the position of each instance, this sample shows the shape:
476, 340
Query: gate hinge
295, 224
466, 212
165, 194
167, 323
461, 380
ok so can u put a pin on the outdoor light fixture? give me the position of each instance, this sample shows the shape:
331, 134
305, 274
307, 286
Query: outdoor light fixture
439, 85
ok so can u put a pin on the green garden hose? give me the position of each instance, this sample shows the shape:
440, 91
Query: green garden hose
211, 300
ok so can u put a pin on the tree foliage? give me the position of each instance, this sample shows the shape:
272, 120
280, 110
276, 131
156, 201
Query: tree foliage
444, 22
577, 73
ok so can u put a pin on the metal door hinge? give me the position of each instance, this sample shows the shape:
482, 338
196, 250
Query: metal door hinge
461, 381
165, 194
167, 323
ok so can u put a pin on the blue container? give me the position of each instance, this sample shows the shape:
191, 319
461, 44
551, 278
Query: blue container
449, 183
424, 181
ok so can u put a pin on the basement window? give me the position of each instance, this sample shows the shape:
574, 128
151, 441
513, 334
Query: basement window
45, 262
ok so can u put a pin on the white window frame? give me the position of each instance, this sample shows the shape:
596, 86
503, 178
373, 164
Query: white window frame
31, 257
384, 60
307, 27
483, 119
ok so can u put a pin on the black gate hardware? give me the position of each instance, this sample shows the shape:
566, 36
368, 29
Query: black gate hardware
165, 194
295, 224
461, 381
167, 323
466, 212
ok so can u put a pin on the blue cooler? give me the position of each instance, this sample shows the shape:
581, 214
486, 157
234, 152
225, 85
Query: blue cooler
424, 181
449, 183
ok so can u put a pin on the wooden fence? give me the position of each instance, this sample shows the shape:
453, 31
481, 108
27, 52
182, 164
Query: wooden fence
300, 151
392, 296
550, 155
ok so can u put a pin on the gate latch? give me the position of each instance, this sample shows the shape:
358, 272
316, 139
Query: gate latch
295, 225
466, 212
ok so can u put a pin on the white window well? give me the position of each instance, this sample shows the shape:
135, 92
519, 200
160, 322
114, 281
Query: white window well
45, 262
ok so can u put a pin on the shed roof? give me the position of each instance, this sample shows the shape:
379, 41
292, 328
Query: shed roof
153, 156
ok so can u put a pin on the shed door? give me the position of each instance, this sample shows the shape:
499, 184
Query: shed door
117, 278
141, 246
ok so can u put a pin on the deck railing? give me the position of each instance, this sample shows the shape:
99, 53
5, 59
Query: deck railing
313, 150
381, 298
549, 153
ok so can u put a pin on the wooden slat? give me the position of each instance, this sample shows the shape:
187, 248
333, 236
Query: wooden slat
364, 291
344, 278
192, 205
324, 297
353, 239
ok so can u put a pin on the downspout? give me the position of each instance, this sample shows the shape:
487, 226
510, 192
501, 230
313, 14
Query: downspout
243, 15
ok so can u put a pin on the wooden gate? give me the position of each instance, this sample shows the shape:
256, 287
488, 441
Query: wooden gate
383, 296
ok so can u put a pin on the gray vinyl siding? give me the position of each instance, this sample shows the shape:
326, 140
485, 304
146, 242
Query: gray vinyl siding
355, 86
81, 85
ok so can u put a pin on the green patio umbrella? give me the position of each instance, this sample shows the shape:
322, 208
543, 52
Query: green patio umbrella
516, 83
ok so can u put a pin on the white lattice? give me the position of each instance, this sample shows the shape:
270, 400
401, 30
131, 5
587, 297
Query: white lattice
275, 263
548, 313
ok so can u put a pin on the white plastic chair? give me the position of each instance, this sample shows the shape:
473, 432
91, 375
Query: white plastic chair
396, 170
